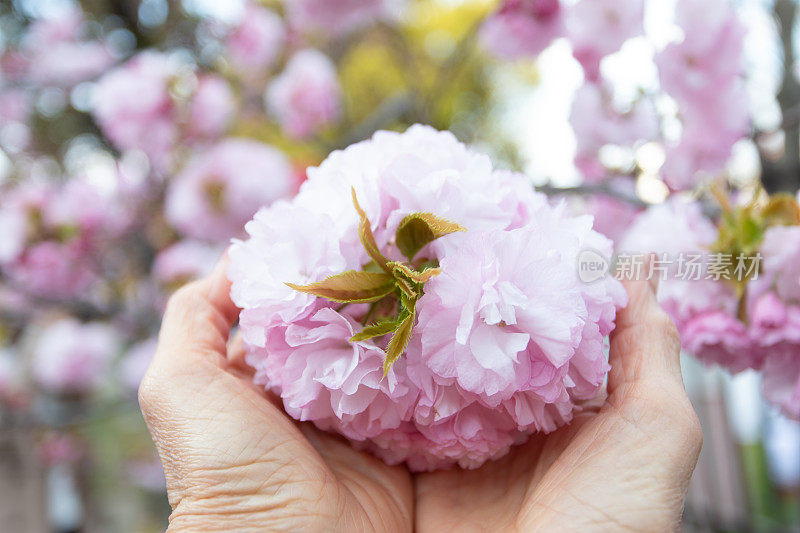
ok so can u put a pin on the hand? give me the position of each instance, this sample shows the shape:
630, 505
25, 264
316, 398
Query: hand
622, 466
235, 462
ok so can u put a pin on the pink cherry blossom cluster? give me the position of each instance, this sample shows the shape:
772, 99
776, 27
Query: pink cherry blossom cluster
218, 190
337, 17
159, 103
523, 27
702, 73
597, 122
219, 187
72, 358
305, 96
56, 51
139, 106
507, 340
53, 234
596, 28
762, 331
255, 43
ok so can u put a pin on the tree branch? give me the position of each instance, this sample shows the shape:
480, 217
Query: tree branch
595, 188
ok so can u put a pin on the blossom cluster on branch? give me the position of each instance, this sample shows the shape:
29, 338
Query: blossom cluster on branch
702, 73
739, 324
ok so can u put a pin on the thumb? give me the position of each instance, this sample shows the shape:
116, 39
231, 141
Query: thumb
645, 345
213, 429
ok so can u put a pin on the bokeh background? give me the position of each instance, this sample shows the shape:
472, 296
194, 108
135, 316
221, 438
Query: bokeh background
138, 136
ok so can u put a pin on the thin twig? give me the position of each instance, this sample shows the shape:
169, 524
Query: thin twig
710, 209
597, 188
791, 118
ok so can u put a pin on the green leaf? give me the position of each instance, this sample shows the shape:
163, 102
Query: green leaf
375, 330
408, 305
412, 274
751, 234
418, 229
406, 288
367, 237
351, 287
398, 342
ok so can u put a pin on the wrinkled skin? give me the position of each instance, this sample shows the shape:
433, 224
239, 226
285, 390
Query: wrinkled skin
234, 461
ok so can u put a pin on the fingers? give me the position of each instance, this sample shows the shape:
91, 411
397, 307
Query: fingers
193, 340
236, 355
645, 345
199, 316
215, 433
645, 384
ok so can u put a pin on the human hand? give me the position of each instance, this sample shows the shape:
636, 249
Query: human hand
235, 462
623, 465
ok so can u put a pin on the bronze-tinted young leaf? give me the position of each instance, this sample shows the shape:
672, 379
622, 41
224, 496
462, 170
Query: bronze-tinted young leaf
375, 330
412, 274
406, 288
398, 342
418, 229
407, 305
351, 287
367, 237
782, 209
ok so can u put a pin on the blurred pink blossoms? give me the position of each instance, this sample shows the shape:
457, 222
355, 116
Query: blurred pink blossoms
254, 44
56, 52
704, 74
306, 96
707, 313
507, 341
73, 358
597, 122
212, 107
153, 102
220, 189
184, 261
523, 27
335, 17
597, 28
774, 313
134, 108
54, 233
703, 310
